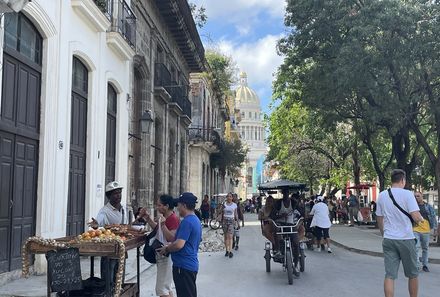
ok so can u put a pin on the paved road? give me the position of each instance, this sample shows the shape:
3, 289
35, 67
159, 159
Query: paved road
339, 274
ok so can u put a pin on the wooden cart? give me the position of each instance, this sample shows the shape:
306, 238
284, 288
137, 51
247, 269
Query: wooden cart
100, 249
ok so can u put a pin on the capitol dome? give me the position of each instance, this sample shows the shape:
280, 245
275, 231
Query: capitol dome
244, 94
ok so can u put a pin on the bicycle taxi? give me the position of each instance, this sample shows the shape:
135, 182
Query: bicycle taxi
284, 232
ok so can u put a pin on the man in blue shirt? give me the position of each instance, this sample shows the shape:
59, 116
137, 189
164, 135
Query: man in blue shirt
185, 247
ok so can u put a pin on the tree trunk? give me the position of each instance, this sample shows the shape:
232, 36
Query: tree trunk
356, 167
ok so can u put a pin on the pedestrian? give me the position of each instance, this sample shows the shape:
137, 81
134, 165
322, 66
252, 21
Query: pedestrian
204, 208
213, 208
185, 247
422, 232
169, 222
321, 223
353, 209
396, 210
112, 213
236, 236
229, 220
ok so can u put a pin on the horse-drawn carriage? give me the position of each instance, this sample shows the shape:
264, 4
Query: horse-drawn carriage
291, 248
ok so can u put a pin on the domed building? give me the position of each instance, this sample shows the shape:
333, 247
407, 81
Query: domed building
252, 135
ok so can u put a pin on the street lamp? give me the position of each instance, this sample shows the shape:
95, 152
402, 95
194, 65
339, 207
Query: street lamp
145, 121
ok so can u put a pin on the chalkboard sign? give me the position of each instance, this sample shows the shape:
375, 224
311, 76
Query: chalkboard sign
64, 270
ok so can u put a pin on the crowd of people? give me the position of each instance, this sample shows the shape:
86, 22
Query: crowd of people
406, 229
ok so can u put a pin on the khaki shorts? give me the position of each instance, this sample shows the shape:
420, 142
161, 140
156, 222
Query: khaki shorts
164, 277
400, 250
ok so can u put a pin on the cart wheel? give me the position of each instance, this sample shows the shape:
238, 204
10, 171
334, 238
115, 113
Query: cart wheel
302, 260
268, 259
214, 224
289, 265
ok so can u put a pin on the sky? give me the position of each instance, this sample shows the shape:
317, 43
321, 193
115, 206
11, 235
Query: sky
247, 30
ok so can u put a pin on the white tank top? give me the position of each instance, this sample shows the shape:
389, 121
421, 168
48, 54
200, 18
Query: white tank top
288, 211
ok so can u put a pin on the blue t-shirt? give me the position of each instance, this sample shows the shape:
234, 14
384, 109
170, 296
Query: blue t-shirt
189, 230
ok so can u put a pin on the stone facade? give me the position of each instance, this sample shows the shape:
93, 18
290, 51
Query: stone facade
159, 158
211, 126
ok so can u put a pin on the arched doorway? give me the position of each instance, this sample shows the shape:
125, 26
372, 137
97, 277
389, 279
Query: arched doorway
78, 148
19, 136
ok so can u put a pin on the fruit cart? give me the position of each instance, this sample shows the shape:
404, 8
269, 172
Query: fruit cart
93, 244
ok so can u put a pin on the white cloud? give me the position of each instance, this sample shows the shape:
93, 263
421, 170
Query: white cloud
241, 11
259, 59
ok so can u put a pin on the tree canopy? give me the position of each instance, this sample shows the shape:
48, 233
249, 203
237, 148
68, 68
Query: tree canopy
369, 70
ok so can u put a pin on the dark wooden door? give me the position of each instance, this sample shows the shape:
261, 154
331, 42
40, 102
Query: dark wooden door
78, 149
19, 137
110, 160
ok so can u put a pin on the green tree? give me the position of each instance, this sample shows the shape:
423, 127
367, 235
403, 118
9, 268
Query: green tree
354, 62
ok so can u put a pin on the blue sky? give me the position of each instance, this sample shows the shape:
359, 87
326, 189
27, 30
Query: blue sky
247, 30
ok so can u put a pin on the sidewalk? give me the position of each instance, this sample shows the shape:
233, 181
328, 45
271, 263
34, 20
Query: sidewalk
364, 240
35, 285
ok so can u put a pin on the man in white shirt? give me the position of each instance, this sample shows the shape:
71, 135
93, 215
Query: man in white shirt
321, 222
399, 243
112, 213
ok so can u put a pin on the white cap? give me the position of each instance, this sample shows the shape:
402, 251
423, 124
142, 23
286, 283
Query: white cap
319, 198
114, 185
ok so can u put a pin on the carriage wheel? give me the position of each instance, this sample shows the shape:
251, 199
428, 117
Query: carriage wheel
214, 224
289, 266
302, 260
268, 258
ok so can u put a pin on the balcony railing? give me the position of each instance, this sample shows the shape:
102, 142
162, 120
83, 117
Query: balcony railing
162, 77
199, 134
125, 23
178, 93
106, 6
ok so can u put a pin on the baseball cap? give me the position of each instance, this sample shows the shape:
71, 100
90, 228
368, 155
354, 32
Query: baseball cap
319, 198
111, 186
187, 198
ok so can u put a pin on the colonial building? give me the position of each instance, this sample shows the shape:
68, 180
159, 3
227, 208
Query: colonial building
206, 137
253, 136
168, 50
63, 116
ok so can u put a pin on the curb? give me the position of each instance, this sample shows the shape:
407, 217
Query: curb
372, 253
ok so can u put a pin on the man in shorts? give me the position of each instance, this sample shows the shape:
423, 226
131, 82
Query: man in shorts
399, 243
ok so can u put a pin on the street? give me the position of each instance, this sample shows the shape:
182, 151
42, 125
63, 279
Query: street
339, 274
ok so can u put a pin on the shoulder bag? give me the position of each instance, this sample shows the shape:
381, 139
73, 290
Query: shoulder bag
400, 208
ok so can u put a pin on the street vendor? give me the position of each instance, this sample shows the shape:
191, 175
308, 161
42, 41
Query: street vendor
112, 213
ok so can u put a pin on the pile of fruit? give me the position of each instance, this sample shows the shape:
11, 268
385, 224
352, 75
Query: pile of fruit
100, 233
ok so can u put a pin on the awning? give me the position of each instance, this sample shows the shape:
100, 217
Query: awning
282, 184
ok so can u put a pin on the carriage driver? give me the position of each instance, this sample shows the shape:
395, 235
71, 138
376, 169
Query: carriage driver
288, 214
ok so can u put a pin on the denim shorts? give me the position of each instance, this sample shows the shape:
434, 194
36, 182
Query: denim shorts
400, 250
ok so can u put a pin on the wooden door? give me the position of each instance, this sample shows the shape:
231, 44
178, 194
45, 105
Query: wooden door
78, 150
110, 160
19, 137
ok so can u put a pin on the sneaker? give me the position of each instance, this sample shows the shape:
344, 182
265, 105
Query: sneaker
329, 250
226, 254
296, 271
425, 268
231, 255
236, 248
